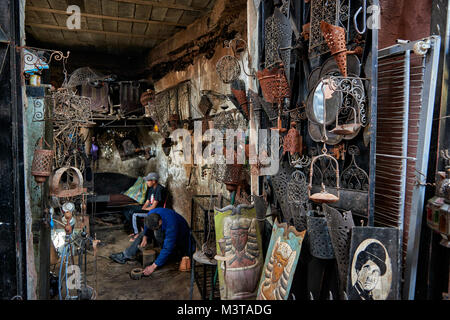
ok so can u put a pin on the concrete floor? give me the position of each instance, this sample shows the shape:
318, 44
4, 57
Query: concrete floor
113, 280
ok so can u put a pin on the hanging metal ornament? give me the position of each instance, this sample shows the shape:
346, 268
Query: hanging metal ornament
353, 177
323, 196
274, 85
321, 10
339, 227
320, 245
297, 189
293, 142
280, 183
41, 167
335, 38
278, 34
228, 67
239, 92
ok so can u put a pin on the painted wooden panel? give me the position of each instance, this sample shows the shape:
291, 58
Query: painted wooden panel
281, 261
240, 258
373, 266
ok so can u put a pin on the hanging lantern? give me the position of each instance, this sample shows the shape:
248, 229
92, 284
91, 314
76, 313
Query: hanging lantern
41, 167
323, 196
232, 176
274, 85
293, 142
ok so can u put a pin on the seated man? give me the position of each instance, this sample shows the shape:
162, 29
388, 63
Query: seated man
155, 198
170, 229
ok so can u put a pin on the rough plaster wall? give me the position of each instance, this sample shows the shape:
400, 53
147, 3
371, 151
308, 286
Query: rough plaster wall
31, 273
203, 76
404, 19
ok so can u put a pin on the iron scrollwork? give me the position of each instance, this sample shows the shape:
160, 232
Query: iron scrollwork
353, 177
355, 87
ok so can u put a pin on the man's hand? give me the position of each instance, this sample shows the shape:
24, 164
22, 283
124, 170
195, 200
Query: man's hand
149, 270
144, 242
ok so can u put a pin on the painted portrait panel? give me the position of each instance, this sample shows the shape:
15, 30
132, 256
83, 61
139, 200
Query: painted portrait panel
281, 261
239, 251
373, 273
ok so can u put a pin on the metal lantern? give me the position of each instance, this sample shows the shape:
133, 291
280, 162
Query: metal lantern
274, 85
320, 245
41, 167
232, 176
293, 142
323, 196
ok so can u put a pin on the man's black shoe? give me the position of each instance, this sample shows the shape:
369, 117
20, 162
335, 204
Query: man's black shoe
119, 258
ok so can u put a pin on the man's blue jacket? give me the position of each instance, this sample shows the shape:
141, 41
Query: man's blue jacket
176, 233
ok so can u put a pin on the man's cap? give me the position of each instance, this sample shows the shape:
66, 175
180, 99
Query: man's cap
375, 252
152, 176
152, 221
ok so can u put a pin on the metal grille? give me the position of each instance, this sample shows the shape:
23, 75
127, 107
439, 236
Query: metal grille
392, 134
278, 35
321, 10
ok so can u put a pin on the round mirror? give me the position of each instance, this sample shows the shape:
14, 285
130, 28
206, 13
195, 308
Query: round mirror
323, 103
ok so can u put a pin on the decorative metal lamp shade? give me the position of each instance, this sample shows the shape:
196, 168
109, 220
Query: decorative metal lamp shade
320, 245
274, 85
41, 167
293, 142
335, 38
232, 176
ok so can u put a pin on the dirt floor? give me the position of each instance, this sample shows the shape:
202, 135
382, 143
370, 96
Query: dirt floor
113, 281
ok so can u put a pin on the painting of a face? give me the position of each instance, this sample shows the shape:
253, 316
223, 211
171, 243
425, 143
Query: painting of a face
369, 275
373, 274
278, 266
239, 238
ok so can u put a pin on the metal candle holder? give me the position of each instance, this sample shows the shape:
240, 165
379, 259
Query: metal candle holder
323, 196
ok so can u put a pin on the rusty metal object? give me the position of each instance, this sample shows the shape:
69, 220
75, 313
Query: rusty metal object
41, 167
232, 177
147, 97
323, 196
306, 31
339, 227
137, 273
238, 90
335, 38
293, 142
228, 69
73, 186
320, 245
278, 34
173, 121
274, 84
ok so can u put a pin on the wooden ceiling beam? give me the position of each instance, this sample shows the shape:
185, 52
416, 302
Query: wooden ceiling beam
53, 27
103, 17
165, 5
